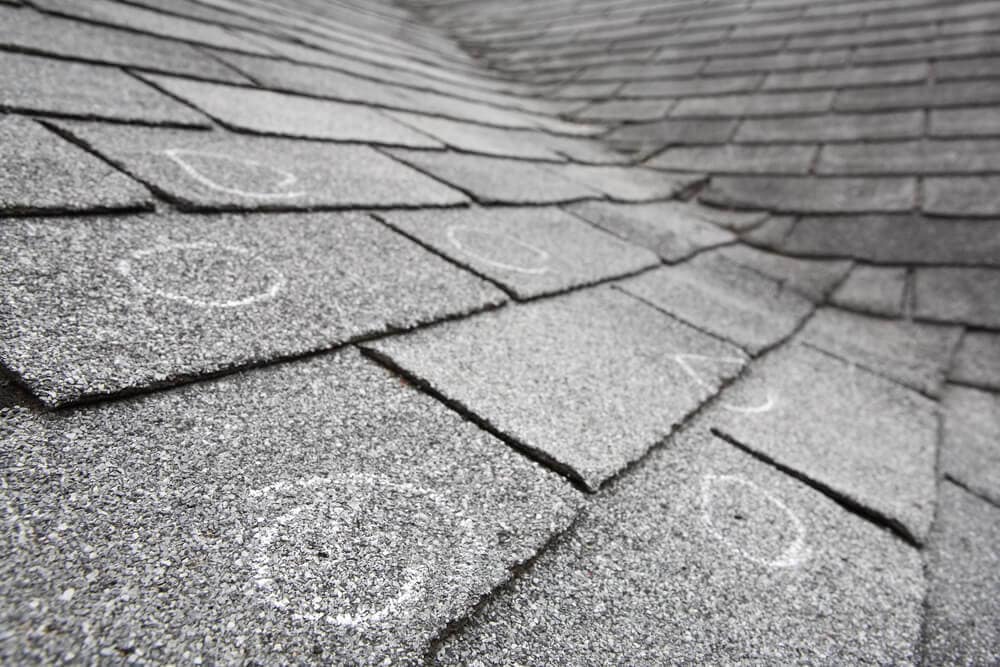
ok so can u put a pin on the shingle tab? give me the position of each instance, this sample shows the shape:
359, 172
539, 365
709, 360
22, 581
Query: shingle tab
40, 172
806, 195
267, 112
530, 251
878, 290
588, 382
970, 452
706, 556
220, 170
319, 509
864, 438
735, 158
962, 295
104, 305
962, 196
977, 361
56, 87
832, 127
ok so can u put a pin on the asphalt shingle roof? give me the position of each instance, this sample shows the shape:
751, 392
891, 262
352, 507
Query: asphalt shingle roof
440, 332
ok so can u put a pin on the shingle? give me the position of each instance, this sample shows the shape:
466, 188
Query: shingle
963, 295
970, 454
967, 68
319, 509
40, 172
813, 278
30, 30
676, 88
153, 22
847, 77
959, 196
963, 122
945, 94
267, 112
629, 184
581, 149
737, 159
102, 305
878, 290
498, 180
805, 195
219, 170
761, 104
725, 299
671, 229
479, 138
897, 239
627, 110
645, 138
911, 157
977, 361
778, 62
588, 381
950, 47
833, 127
727, 218
964, 569
56, 87
859, 436
530, 251
916, 355
705, 556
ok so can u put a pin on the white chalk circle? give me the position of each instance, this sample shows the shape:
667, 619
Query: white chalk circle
202, 274
685, 362
465, 239
329, 558
194, 163
719, 489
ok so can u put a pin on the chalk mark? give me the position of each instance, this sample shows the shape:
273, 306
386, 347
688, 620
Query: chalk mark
543, 255
770, 402
288, 178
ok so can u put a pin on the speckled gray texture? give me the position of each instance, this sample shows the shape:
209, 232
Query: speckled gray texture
963, 604
197, 170
952, 294
878, 290
813, 278
50, 34
316, 512
530, 251
977, 361
725, 299
707, 556
41, 172
498, 180
588, 381
970, 451
45, 85
479, 138
673, 230
268, 112
629, 184
101, 305
869, 440
911, 353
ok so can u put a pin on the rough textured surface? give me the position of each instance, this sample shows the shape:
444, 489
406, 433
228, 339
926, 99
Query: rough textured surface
93, 307
971, 449
40, 172
977, 361
706, 555
963, 604
528, 251
812, 278
589, 382
297, 524
808, 195
229, 171
914, 354
958, 295
717, 295
671, 229
866, 439
873, 289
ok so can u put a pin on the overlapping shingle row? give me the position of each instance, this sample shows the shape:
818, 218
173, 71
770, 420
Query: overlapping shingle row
721, 265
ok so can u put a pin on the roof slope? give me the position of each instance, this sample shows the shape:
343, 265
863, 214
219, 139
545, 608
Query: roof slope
576, 332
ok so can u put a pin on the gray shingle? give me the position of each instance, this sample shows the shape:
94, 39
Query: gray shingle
40, 172
911, 157
866, 439
219, 170
964, 567
267, 112
644, 138
813, 278
589, 381
630, 110
944, 94
977, 361
102, 305
812, 195
498, 180
916, 355
963, 122
833, 127
530, 251
877, 290
627, 184
705, 556
734, 158
761, 104
671, 229
56, 87
964, 295
962, 196
847, 77
479, 138
725, 299
318, 509
971, 451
